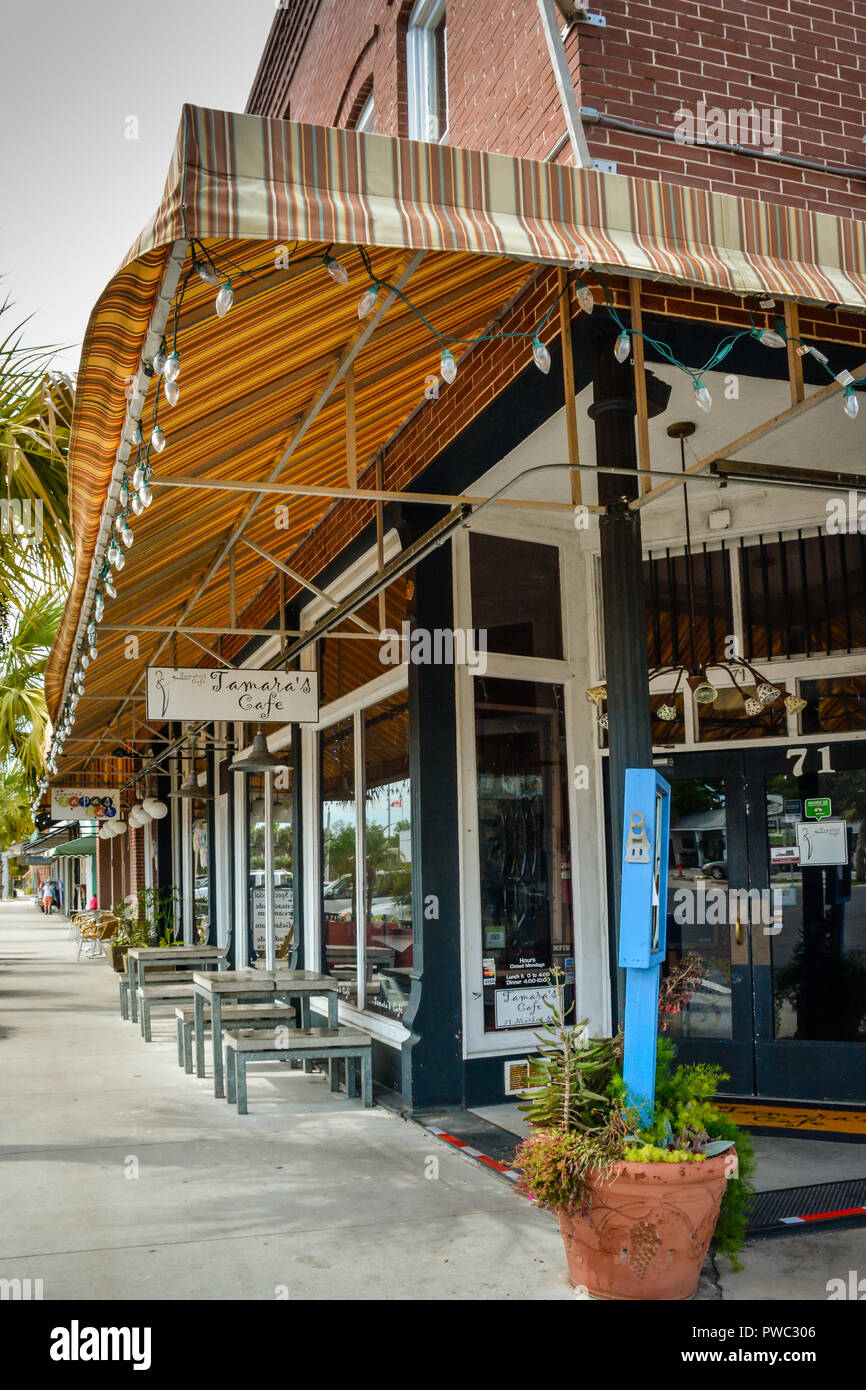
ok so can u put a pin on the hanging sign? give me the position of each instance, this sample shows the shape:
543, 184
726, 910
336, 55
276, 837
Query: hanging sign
823, 843
84, 803
818, 807
222, 692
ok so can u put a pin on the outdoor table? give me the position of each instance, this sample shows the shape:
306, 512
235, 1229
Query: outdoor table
253, 987
138, 958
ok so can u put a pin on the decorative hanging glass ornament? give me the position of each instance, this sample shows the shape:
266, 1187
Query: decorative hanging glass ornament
752, 706
172, 366
585, 298
703, 692
157, 439
447, 366
367, 302
603, 721
337, 271
540, 355
666, 712
225, 299
767, 693
596, 694
794, 704
622, 347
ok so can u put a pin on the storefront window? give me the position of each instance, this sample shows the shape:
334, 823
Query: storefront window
683, 630
388, 855
284, 897
836, 705
804, 595
524, 849
515, 596
339, 914
200, 870
727, 718
347, 663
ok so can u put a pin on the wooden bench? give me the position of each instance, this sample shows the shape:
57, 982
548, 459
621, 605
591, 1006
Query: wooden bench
250, 1015
148, 996
168, 977
300, 1045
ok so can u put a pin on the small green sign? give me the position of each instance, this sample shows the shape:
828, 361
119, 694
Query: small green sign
817, 807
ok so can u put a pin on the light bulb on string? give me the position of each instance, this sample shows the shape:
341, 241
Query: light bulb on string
206, 272
99, 607
157, 439
124, 494
172, 366
110, 590
137, 433
172, 392
127, 537
85, 661
851, 405
540, 355
137, 506
138, 478
94, 651
702, 396
145, 495
225, 299
769, 338
337, 271
585, 298
159, 361
367, 302
119, 560
120, 521
622, 347
447, 366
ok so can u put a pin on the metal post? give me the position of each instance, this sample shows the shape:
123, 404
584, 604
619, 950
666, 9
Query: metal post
626, 656
270, 930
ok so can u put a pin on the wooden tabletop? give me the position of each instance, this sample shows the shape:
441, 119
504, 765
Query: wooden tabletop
177, 952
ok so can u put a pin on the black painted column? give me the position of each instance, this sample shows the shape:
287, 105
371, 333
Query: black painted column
432, 1061
626, 656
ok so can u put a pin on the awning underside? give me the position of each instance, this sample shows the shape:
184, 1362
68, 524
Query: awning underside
267, 383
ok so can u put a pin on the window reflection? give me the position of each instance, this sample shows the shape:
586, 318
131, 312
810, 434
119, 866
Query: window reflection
388, 856
284, 898
339, 915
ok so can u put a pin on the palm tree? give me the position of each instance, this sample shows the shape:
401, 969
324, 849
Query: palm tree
23, 713
35, 418
16, 822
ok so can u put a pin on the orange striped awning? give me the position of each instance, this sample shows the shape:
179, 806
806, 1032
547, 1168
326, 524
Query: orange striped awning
262, 390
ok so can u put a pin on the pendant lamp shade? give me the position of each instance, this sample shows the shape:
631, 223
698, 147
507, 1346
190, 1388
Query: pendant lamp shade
258, 759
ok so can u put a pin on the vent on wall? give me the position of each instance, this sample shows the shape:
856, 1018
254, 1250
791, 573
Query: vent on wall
516, 1077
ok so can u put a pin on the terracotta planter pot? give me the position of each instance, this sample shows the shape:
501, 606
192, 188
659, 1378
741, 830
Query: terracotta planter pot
647, 1230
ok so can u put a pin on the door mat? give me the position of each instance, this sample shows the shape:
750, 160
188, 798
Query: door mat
804, 1208
797, 1119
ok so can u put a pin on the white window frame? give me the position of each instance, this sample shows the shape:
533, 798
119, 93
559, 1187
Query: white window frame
422, 73
589, 935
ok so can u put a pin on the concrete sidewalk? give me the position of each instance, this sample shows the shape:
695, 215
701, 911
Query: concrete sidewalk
307, 1196
122, 1177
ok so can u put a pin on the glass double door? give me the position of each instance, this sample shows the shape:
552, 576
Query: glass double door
767, 903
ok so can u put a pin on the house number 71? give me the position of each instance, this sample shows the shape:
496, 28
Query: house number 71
799, 754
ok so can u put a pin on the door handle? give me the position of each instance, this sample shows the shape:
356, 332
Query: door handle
738, 930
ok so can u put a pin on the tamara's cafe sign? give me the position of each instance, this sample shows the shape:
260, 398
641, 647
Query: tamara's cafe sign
195, 692
84, 803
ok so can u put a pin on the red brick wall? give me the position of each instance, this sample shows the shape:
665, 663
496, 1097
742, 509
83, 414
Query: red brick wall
806, 57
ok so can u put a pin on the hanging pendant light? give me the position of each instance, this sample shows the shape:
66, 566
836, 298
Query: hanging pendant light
447, 366
622, 347
585, 298
540, 355
259, 758
225, 299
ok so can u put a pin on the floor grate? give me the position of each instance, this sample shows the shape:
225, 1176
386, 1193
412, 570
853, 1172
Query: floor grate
798, 1208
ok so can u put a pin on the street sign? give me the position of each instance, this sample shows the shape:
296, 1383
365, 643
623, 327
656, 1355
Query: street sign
221, 692
818, 807
643, 917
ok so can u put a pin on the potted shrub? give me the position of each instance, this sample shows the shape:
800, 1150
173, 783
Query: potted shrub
637, 1207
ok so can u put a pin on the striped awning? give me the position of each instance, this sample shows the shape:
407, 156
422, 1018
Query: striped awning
262, 390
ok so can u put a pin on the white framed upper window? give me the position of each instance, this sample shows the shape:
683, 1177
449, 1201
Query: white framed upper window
426, 72
367, 115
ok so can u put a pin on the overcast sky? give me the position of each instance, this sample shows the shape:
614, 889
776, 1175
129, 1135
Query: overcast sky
74, 191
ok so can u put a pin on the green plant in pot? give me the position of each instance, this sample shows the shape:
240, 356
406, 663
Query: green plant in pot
637, 1207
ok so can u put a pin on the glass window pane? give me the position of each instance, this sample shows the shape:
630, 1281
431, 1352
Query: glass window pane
804, 595
347, 663
671, 636
339, 917
388, 856
819, 955
836, 705
200, 870
524, 848
726, 717
697, 919
284, 897
515, 595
